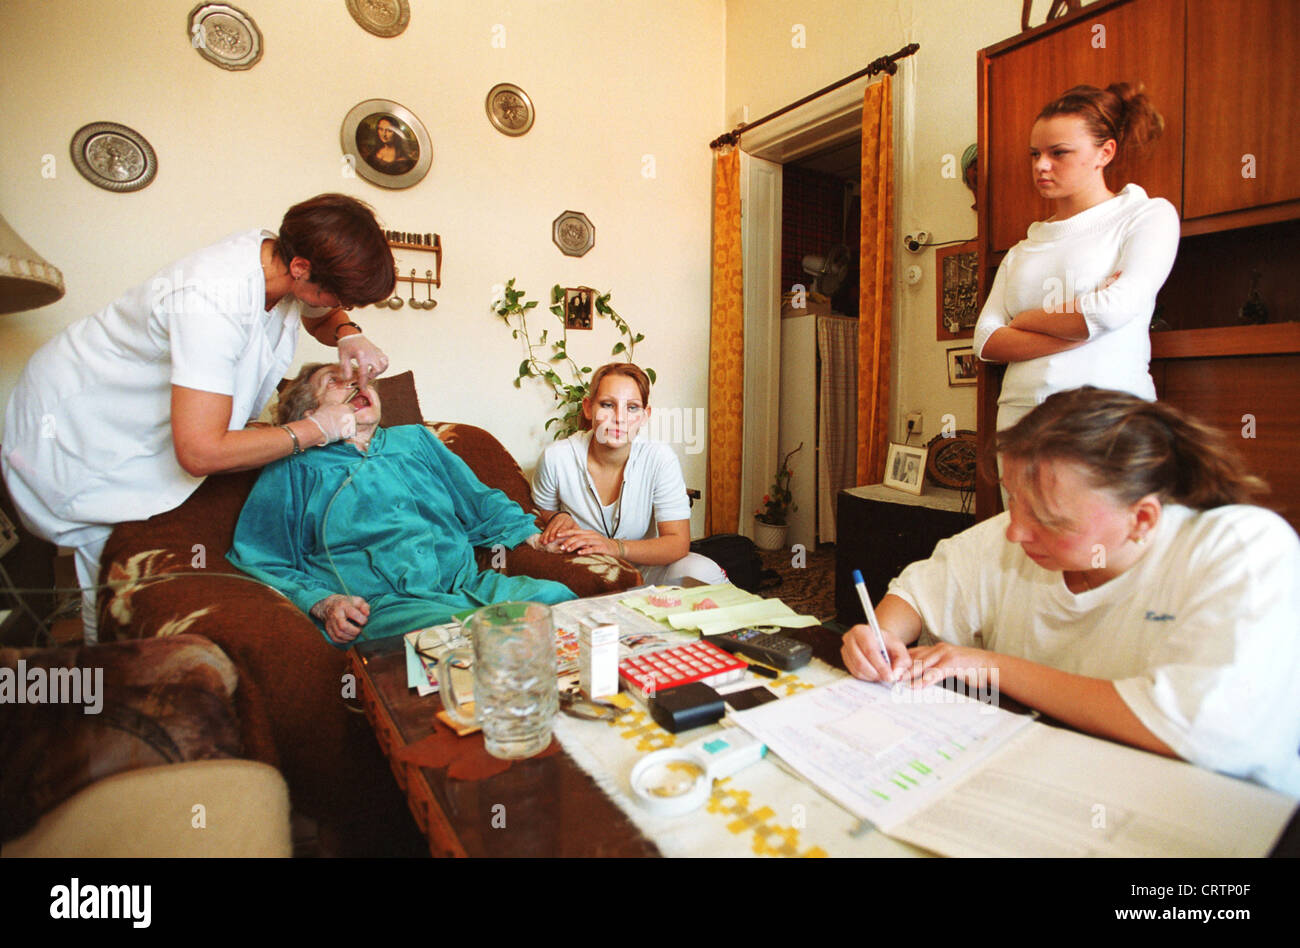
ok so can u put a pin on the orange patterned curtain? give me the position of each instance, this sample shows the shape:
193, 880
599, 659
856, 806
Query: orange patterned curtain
726, 351
876, 300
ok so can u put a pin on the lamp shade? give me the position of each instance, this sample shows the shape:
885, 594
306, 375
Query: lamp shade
26, 280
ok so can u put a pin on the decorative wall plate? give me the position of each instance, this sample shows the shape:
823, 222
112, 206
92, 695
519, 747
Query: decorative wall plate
225, 35
573, 233
951, 462
113, 157
509, 109
381, 17
388, 145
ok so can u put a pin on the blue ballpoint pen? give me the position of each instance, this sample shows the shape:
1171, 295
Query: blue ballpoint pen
861, 586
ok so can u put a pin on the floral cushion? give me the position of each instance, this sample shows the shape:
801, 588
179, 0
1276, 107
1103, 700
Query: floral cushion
150, 702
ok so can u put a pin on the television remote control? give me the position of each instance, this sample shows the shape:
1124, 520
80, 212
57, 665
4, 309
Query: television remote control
779, 651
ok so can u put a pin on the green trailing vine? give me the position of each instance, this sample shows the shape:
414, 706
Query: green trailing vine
550, 365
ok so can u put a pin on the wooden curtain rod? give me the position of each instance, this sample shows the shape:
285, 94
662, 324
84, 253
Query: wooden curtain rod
887, 64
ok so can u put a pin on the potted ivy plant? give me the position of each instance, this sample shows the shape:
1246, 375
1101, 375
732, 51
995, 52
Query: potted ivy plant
772, 520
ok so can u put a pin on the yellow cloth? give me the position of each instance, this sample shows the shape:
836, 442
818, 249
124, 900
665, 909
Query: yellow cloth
726, 352
876, 294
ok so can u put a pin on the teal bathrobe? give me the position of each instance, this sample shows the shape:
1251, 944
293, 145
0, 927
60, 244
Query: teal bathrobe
396, 526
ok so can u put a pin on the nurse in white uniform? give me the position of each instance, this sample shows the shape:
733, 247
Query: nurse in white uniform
124, 413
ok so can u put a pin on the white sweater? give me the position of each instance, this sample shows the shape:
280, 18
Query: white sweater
1200, 636
1064, 262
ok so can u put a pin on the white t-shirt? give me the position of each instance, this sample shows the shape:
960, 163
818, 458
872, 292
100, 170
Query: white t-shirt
1065, 261
88, 438
1201, 636
654, 490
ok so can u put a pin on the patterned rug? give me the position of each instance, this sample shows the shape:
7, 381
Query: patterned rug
807, 586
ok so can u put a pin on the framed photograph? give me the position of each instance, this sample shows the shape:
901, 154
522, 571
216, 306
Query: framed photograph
963, 367
113, 157
578, 306
509, 109
956, 272
387, 144
905, 467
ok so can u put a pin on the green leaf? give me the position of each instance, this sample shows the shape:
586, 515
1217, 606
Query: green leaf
517, 382
543, 339
650, 374
618, 347
549, 422
558, 311
638, 337
553, 378
524, 369
514, 334
585, 370
557, 293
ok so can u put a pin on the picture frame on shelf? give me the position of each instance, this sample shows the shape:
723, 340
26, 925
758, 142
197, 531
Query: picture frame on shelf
956, 277
963, 366
386, 144
905, 467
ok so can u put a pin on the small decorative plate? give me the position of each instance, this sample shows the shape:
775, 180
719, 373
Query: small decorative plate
573, 233
951, 460
225, 35
114, 157
509, 109
381, 17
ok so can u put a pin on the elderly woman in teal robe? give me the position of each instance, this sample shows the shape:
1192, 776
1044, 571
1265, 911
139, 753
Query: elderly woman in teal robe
374, 534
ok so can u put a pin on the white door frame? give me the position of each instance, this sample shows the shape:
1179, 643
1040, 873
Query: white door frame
827, 121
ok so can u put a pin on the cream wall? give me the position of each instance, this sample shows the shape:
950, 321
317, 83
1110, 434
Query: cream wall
611, 83
935, 109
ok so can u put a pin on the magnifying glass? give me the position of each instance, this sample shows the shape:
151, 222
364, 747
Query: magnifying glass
679, 779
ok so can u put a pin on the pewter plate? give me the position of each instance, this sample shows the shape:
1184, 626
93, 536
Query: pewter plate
113, 157
386, 143
509, 109
574, 233
381, 17
225, 35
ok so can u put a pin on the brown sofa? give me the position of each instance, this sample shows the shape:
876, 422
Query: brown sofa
293, 692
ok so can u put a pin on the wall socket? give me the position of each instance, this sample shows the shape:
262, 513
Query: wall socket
912, 424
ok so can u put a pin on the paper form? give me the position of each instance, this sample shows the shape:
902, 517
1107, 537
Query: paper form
882, 752
1053, 792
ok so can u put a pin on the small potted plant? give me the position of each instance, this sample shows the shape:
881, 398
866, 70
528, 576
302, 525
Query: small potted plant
772, 519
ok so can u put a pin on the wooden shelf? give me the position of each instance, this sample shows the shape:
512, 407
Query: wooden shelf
1269, 339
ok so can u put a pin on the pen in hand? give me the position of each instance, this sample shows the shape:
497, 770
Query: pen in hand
861, 587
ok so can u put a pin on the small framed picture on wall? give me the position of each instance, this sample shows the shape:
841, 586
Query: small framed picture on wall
905, 467
578, 303
963, 367
956, 275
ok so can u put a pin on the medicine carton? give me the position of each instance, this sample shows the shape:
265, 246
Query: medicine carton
598, 657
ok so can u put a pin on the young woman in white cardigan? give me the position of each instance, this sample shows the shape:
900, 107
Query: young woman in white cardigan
1071, 303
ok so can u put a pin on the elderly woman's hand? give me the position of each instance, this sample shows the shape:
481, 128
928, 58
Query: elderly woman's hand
343, 616
369, 358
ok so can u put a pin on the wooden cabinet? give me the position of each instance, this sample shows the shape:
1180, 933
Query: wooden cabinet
1226, 77
880, 531
1243, 98
1123, 43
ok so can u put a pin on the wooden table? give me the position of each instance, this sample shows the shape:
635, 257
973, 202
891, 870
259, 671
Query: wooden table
468, 803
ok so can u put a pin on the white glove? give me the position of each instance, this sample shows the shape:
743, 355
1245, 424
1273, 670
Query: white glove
336, 422
369, 358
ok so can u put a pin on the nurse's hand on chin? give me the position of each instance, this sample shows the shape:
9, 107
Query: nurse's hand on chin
336, 422
343, 616
370, 360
